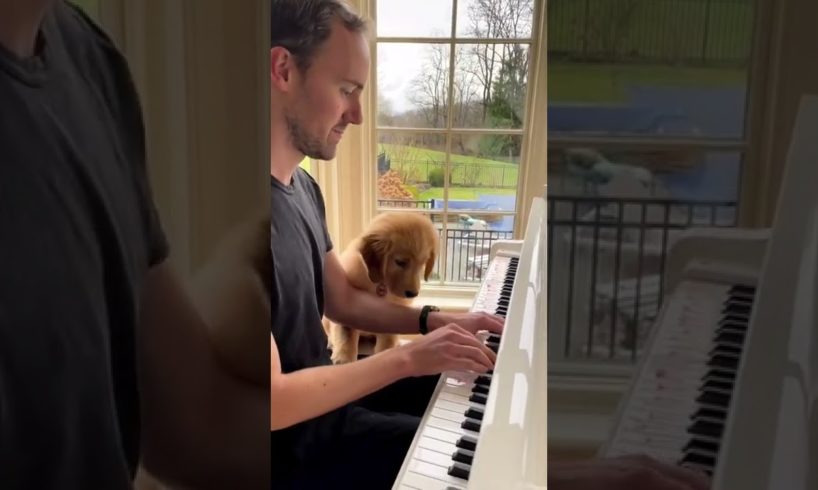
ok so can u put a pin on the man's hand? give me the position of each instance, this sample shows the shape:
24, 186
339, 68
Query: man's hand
623, 473
450, 348
471, 322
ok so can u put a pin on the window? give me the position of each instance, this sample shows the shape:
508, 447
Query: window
648, 105
452, 91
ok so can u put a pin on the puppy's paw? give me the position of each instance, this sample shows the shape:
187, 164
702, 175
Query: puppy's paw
343, 356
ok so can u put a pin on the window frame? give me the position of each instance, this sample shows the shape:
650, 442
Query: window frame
355, 162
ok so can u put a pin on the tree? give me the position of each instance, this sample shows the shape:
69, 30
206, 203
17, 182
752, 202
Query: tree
429, 88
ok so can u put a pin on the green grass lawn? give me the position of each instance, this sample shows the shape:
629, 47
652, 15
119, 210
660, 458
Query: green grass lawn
415, 163
464, 193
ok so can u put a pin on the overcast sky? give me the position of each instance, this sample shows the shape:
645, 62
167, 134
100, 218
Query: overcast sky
399, 64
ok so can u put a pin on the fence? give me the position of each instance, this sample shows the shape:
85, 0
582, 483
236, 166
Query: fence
462, 174
606, 259
607, 262
665, 31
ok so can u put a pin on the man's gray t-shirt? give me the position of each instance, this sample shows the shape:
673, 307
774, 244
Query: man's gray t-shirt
299, 245
78, 234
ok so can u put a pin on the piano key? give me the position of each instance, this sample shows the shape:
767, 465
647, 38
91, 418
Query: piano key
478, 398
436, 444
483, 380
459, 470
480, 390
415, 480
474, 413
463, 456
433, 457
443, 435
439, 473
471, 424
449, 425
467, 442
447, 414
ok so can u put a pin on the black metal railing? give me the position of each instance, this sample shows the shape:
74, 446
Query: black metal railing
468, 255
606, 265
607, 261
405, 203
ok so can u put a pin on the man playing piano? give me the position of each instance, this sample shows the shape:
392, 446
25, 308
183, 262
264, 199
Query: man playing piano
350, 425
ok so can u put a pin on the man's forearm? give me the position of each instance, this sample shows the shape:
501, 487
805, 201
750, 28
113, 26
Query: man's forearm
374, 314
311, 392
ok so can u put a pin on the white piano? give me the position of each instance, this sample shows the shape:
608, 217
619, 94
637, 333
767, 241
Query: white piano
489, 432
729, 381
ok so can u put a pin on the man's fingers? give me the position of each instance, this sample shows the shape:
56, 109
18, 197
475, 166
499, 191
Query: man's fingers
475, 354
495, 323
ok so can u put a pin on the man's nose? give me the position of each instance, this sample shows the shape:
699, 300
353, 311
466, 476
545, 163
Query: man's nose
354, 115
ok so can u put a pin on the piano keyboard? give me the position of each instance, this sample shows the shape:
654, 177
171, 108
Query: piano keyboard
442, 453
678, 405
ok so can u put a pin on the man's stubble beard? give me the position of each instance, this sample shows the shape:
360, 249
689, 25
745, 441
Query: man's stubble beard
306, 144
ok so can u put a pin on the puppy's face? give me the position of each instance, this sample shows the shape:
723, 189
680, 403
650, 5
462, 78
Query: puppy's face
399, 250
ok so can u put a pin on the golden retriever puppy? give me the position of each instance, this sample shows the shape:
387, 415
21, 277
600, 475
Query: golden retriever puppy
387, 260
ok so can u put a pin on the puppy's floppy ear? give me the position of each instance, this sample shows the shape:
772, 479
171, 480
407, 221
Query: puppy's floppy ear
374, 249
430, 265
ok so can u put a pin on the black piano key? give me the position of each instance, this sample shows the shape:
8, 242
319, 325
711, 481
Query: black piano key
710, 414
493, 338
492, 346
700, 459
467, 442
482, 380
718, 385
483, 390
459, 470
463, 456
478, 398
742, 288
732, 338
471, 424
714, 399
725, 350
720, 373
700, 446
474, 413
706, 429
723, 362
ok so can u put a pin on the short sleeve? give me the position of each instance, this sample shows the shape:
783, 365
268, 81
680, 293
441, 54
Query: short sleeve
319, 204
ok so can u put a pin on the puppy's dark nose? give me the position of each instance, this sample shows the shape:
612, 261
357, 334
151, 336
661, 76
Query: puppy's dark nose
411, 294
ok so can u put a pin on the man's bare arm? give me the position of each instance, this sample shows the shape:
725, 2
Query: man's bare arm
308, 393
200, 426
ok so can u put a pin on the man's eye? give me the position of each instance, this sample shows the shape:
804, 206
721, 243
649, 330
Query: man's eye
402, 263
346, 92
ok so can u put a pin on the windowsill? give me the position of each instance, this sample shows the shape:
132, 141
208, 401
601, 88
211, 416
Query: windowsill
583, 399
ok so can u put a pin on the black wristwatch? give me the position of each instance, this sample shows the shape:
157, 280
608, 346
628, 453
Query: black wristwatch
424, 316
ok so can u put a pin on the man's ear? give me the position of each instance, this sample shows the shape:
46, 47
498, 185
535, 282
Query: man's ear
282, 68
374, 250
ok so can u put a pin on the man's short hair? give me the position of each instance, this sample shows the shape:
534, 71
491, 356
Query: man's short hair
301, 26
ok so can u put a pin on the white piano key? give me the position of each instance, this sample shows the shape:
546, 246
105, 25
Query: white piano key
448, 425
423, 482
442, 413
433, 457
437, 445
452, 402
439, 473
442, 434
